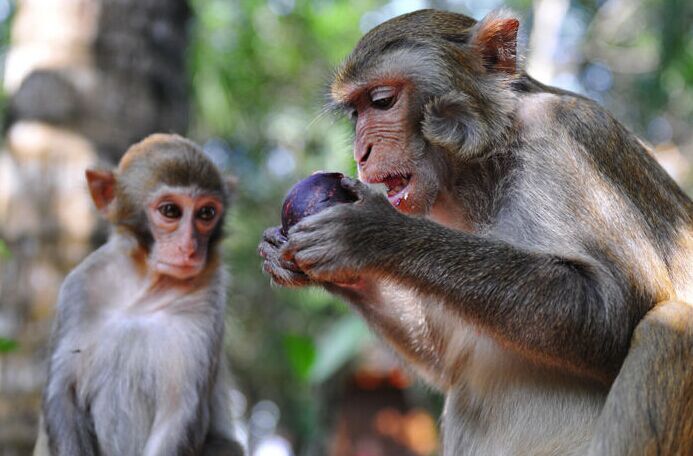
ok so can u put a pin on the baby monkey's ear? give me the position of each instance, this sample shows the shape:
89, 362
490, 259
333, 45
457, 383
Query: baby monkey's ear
102, 188
495, 39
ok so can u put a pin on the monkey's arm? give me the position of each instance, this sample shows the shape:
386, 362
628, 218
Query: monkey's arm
177, 426
396, 314
399, 316
535, 302
220, 440
69, 428
188, 420
649, 409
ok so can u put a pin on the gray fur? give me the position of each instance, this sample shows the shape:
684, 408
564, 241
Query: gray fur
132, 371
648, 410
558, 232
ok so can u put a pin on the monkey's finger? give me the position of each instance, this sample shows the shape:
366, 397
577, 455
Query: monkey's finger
274, 236
310, 224
271, 253
290, 265
313, 259
295, 281
267, 250
285, 277
287, 252
356, 187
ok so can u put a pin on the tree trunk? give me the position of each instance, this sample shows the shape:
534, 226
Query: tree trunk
86, 78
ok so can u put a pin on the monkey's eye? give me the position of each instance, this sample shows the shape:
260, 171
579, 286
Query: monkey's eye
207, 213
170, 210
383, 97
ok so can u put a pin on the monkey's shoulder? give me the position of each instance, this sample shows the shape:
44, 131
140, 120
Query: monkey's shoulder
102, 267
564, 112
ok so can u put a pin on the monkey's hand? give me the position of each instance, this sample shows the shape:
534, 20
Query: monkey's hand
282, 272
335, 245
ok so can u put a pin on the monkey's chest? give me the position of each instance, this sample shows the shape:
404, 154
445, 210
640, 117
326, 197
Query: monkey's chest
502, 405
498, 403
137, 369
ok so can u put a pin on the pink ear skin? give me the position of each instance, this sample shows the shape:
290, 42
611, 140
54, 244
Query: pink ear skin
102, 188
496, 40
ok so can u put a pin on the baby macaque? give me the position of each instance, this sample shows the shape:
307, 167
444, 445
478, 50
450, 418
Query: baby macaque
136, 364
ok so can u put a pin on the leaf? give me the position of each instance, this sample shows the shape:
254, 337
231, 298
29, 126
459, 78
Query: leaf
8, 345
300, 350
338, 345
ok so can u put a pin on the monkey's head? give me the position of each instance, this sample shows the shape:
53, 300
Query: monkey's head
171, 197
427, 91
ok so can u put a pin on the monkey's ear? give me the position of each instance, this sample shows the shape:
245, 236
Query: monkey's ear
102, 188
495, 39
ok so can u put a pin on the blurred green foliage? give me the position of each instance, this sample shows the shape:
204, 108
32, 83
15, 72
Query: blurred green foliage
259, 80
5, 253
8, 345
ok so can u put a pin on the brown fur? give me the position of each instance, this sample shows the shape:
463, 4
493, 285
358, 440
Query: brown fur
537, 234
648, 411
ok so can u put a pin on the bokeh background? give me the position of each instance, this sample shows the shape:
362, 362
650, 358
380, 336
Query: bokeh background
83, 79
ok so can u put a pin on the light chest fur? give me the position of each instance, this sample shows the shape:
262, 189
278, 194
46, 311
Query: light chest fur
503, 404
498, 403
132, 342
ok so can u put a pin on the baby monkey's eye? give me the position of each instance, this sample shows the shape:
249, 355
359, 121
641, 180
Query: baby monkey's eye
383, 97
170, 210
207, 213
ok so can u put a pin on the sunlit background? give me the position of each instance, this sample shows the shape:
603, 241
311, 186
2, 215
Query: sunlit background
247, 79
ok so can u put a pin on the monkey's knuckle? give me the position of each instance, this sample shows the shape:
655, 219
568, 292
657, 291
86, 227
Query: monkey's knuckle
269, 268
314, 259
269, 234
265, 250
287, 252
277, 281
300, 242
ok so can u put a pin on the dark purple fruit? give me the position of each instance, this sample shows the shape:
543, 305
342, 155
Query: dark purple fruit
312, 195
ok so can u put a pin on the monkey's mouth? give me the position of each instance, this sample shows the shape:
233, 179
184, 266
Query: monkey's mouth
180, 270
396, 187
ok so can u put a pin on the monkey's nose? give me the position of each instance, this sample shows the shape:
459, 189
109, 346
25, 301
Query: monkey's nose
364, 157
188, 248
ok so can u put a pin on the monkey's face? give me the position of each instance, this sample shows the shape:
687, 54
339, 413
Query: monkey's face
388, 146
182, 220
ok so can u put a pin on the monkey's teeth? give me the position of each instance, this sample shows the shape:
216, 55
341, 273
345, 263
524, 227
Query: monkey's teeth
395, 184
395, 190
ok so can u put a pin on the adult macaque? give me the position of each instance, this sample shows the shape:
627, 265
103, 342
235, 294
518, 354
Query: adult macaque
136, 366
526, 234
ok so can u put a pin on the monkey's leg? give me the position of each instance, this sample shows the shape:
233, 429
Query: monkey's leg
69, 429
649, 410
220, 440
